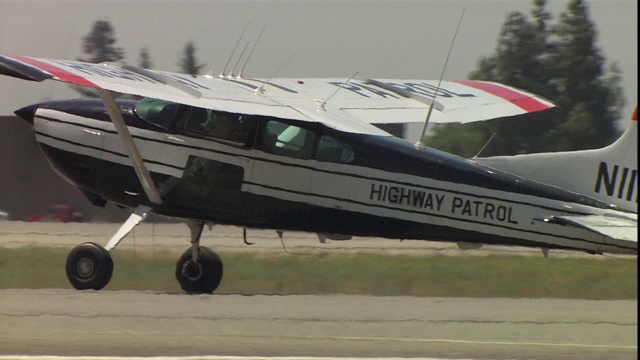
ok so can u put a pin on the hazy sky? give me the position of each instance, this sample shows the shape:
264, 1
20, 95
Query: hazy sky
380, 39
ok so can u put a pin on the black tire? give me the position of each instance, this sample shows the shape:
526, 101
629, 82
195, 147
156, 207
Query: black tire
89, 266
202, 277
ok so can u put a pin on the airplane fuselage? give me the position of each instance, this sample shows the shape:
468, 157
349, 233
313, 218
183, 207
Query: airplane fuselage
307, 177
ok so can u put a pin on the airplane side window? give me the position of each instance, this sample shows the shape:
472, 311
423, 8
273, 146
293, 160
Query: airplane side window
246, 132
287, 140
233, 127
194, 120
237, 128
333, 150
158, 112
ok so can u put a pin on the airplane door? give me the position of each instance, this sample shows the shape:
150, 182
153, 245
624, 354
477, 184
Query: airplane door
212, 181
210, 184
331, 185
281, 173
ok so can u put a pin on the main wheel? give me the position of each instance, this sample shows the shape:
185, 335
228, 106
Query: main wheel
202, 277
89, 266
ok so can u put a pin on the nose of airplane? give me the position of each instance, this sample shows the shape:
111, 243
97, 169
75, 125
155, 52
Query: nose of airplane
27, 113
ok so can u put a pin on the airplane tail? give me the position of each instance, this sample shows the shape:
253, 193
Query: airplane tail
609, 174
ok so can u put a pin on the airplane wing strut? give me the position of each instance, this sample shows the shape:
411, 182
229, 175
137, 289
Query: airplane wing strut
130, 147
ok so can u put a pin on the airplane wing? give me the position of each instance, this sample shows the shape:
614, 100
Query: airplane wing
617, 230
461, 101
350, 106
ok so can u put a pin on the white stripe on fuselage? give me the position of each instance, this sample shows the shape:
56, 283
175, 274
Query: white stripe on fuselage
337, 186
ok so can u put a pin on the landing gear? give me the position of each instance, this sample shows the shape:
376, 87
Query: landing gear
201, 277
199, 269
89, 266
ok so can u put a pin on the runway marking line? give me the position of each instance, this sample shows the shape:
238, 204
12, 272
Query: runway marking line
213, 357
476, 342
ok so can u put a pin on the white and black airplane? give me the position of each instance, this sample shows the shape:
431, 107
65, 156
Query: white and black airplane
296, 155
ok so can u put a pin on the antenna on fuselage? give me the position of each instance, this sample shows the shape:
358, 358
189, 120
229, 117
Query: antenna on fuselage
419, 144
251, 52
260, 90
237, 62
484, 146
233, 52
322, 103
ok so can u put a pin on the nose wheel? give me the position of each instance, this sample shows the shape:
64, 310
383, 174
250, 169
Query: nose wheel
89, 266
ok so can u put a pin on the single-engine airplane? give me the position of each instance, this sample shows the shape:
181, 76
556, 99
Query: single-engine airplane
295, 155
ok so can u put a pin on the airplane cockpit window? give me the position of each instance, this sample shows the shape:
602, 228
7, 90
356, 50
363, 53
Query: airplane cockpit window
333, 150
288, 140
157, 112
194, 120
237, 128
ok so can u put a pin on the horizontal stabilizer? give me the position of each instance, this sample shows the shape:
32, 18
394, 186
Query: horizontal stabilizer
617, 230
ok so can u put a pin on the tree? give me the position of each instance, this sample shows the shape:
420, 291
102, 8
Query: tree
145, 60
593, 99
559, 62
99, 46
188, 64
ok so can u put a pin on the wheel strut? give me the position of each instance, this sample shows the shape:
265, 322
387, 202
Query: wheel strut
89, 265
199, 270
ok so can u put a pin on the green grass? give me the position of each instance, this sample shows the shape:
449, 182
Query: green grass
331, 273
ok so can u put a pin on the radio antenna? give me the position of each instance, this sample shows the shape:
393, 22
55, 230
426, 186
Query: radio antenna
234, 51
484, 146
420, 144
323, 102
251, 52
238, 62
260, 90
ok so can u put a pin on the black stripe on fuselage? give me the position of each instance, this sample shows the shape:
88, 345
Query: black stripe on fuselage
301, 166
107, 151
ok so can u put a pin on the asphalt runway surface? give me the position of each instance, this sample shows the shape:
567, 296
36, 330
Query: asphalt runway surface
130, 323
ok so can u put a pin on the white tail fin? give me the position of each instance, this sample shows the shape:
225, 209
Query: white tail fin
609, 174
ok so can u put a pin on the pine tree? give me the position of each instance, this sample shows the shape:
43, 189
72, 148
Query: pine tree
145, 59
592, 98
98, 45
559, 62
521, 60
188, 64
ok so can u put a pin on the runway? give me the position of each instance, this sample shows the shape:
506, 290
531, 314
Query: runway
127, 323
144, 324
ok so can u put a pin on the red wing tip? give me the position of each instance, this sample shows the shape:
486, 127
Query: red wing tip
55, 70
634, 117
527, 102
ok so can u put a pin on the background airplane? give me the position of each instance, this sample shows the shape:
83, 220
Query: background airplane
295, 154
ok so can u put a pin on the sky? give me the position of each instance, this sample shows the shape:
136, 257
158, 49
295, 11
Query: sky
378, 39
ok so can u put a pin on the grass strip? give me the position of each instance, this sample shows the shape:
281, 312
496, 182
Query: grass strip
343, 273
